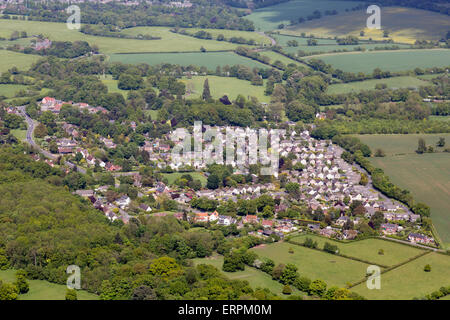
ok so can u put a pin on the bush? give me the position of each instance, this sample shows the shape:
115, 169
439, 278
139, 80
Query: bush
287, 289
381, 252
71, 294
427, 268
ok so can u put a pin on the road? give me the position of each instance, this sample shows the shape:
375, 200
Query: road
31, 125
272, 40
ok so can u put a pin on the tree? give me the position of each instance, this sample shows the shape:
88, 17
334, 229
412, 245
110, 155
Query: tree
427, 268
233, 262
289, 274
302, 284
22, 284
422, 209
206, 95
380, 153
441, 142
8, 291
40, 131
330, 248
144, 293
287, 289
213, 181
277, 271
165, 267
421, 148
318, 288
71, 294
364, 179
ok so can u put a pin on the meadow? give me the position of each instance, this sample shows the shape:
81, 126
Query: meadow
314, 264
400, 60
11, 59
332, 48
409, 281
44, 290
10, 90
367, 250
269, 18
392, 83
171, 177
210, 60
220, 86
405, 25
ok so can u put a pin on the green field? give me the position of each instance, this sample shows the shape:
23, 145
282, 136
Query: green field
367, 249
248, 35
10, 90
19, 134
171, 177
331, 48
399, 60
282, 40
111, 84
269, 18
44, 290
255, 277
9, 59
405, 25
274, 56
427, 176
220, 86
209, 60
393, 83
334, 270
409, 280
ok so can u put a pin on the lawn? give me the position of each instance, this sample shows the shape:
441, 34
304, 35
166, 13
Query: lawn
334, 270
9, 59
220, 86
409, 280
269, 18
399, 60
210, 60
367, 250
393, 83
405, 25
255, 277
19, 134
44, 290
111, 84
171, 177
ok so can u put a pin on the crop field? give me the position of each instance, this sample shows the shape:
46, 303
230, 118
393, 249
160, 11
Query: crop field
400, 60
409, 280
171, 177
255, 277
334, 270
269, 18
220, 86
393, 83
44, 290
11, 59
209, 60
405, 25
367, 250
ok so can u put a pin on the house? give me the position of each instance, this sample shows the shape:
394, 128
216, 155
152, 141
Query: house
250, 219
214, 216
201, 217
313, 226
225, 220
389, 228
342, 220
112, 167
123, 201
327, 232
267, 223
85, 193
350, 234
145, 207
420, 238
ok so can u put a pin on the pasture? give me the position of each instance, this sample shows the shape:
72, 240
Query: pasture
269, 18
392, 83
171, 177
220, 86
10, 90
405, 25
210, 60
400, 60
44, 290
320, 49
367, 249
334, 270
11, 59
409, 280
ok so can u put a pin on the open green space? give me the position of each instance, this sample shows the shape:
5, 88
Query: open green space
44, 290
210, 60
275, 56
220, 86
10, 90
171, 177
399, 60
336, 48
9, 59
248, 35
21, 135
367, 250
409, 281
314, 264
393, 83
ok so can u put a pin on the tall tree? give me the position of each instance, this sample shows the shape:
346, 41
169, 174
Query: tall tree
206, 95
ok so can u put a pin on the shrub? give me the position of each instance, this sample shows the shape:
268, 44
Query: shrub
287, 289
427, 268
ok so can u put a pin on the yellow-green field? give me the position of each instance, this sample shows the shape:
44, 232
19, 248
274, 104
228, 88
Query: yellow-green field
9, 59
393, 83
220, 86
405, 25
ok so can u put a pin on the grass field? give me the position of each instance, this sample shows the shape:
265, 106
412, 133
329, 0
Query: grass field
409, 280
404, 24
269, 18
255, 277
111, 84
367, 249
248, 35
9, 90
334, 270
171, 177
331, 48
386, 60
209, 60
427, 176
9, 59
219, 86
44, 290
19, 134
394, 83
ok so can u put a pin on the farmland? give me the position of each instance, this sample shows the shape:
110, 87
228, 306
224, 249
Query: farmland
367, 250
9, 90
334, 270
405, 25
401, 60
269, 18
336, 48
220, 86
11, 59
409, 280
44, 290
427, 176
210, 60
396, 82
